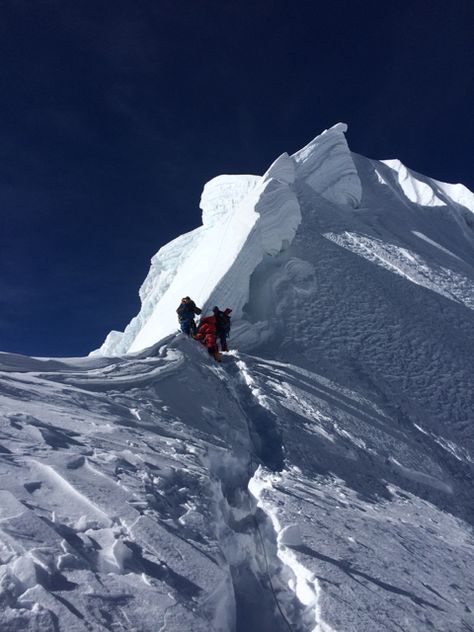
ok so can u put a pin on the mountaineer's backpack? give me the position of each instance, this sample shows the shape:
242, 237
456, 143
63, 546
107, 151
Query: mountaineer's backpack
223, 321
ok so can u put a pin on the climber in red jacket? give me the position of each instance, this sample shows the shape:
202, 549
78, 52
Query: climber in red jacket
207, 334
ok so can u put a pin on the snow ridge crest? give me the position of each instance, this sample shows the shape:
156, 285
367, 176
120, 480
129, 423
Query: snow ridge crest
326, 165
245, 218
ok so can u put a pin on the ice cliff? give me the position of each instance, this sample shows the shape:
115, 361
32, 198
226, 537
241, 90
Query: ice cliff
249, 220
244, 219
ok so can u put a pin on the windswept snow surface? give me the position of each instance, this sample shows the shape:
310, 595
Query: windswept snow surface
320, 479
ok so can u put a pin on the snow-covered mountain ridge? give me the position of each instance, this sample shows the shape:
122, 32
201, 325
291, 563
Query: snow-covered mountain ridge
320, 479
245, 218
248, 218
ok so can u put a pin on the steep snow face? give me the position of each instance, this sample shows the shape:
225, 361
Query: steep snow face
427, 191
417, 190
220, 266
249, 220
245, 219
222, 196
326, 165
165, 266
174, 262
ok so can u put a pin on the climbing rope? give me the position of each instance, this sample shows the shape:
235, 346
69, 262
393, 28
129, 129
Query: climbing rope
252, 467
251, 471
283, 616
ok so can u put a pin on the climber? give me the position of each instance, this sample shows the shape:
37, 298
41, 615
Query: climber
186, 311
206, 334
222, 326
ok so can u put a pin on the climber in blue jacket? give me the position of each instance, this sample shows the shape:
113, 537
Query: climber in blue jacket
186, 312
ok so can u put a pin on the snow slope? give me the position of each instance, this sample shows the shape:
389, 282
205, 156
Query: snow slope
320, 479
245, 218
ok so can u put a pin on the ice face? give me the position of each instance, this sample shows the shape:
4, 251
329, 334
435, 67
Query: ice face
250, 221
326, 165
222, 195
415, 189
244, 219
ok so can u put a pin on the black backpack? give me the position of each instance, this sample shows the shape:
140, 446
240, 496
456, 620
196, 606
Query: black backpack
223, 322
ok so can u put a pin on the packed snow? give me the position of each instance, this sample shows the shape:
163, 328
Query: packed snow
319, 479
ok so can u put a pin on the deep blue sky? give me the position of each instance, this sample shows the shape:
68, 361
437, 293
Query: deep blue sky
113, 115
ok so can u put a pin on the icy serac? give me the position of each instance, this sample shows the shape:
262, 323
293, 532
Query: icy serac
244, 219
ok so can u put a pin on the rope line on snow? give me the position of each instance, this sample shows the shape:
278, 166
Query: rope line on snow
269, 576
251, 472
